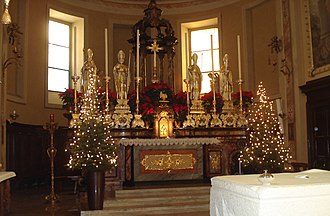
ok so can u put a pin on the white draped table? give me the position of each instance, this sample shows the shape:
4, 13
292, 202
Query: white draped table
5, 192
304, 193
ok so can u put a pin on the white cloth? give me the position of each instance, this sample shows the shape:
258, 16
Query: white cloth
305, 193
6, 175
170, 141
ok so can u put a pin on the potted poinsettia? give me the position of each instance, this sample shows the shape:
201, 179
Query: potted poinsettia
67, 98
207, 99
247, 99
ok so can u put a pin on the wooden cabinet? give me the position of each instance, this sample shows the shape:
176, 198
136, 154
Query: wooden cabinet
318, 122
27, 154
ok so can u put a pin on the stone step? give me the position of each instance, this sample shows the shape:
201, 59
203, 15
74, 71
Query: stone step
164, 192
192, 210
181, 201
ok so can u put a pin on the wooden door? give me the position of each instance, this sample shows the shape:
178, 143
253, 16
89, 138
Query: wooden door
318, 122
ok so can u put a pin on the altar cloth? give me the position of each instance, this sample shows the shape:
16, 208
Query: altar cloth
169, 141
6, 175
304, 193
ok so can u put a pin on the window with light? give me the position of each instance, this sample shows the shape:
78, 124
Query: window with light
200, 43
58, 56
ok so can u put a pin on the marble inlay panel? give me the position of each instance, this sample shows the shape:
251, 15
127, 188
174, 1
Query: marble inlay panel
192, 154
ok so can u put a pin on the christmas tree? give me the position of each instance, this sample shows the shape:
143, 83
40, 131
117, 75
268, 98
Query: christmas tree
92, 146
266, 150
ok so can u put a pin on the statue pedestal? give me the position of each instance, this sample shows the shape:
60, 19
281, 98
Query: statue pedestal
197, 107
122, 106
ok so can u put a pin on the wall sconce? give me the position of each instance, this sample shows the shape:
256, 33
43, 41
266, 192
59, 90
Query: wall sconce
276, 47
6, 18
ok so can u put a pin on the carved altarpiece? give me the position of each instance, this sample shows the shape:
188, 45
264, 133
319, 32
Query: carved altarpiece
155, 30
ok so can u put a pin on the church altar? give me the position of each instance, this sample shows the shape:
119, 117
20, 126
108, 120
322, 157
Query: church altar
191, 154
291, 194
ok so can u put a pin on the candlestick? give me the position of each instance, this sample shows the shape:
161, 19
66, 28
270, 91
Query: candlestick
239, 57
138, 53
51, 118
75, 50
106, 51
213, 78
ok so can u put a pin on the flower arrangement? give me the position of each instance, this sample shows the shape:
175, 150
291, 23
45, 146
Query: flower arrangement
180, 107
149, 100
102, 98
247, 99
207, 99
67, 98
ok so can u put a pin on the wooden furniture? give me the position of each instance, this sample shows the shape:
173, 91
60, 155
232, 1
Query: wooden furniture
5, 192
27, 144
27, 156
290, 194
318, 118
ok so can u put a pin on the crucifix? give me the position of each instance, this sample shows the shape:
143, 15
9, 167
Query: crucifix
155, 49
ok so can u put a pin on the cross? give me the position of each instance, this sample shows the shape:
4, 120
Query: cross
155, 49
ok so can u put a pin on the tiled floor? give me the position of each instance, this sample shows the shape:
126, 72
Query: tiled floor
31, 202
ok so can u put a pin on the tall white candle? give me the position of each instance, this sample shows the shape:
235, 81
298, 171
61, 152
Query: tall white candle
239, 57
138, 53
75, 50
106, 52
212, 54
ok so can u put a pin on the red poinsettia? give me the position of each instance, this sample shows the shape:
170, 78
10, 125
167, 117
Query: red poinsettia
207, 99
180, 107
67, 98
247, 99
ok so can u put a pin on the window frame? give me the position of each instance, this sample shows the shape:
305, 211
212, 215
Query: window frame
191, 53
70, 52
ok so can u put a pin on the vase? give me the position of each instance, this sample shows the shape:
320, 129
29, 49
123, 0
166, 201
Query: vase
95, 181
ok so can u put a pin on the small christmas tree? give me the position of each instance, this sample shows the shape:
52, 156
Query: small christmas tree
266, 150
92, 147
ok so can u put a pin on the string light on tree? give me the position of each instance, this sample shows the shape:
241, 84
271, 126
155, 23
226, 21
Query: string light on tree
266, 149
92, 146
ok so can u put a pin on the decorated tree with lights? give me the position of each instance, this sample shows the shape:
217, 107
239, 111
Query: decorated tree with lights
92, 147
266, 150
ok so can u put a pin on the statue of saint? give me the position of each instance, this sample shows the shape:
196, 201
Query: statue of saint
122, 76
226, 80
88, 68
195, 77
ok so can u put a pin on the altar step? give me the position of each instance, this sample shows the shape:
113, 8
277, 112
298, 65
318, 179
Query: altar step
184, 201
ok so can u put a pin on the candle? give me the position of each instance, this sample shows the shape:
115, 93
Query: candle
239, 58
75, 50
138, 53
212, 55
51, 118
155, 65
106, 51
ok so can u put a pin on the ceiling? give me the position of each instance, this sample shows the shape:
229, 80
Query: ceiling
137, 6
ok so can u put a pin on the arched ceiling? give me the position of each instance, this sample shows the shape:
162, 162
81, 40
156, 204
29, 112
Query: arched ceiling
137, 6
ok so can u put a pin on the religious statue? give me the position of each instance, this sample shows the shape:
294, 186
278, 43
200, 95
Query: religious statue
88, 68
226, 80
195, 77
121, 76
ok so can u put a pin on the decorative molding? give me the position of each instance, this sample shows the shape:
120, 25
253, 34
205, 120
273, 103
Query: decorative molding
134, 7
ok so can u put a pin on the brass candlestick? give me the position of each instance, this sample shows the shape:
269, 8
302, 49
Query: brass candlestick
186, 81
137, 122
75, 79
51, 152
240, 82
107, 101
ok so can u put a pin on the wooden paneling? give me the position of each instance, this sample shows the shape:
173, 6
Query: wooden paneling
318, 122
27, 154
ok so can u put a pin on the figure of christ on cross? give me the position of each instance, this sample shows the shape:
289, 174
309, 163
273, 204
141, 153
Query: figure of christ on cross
155, 49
